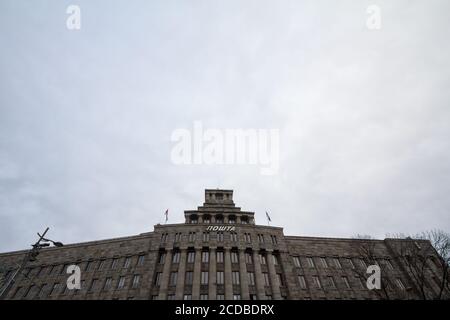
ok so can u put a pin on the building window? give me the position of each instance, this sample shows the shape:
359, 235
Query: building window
346, 283
101, 265
248, 258
158, 279
114, 263
324, 263
204, 277
164, 237
262, 258
170, 297
233, 236
107, 284
302, 282
280, 279
317, 282
136, 279
177, 237
235, 277
219, 277
350, 262
261, 238
205, 256
253, 297
191, 236
173, 278
162, 257
42, 290
296, 262
331, 282
203, 297
141, 260
358, 279
127, 262
389, 264
121, 283
234, 257
236, 297
188, 279
251, 278
232, 220
64, 268
93, 285
247, 237
268, 297
206, 219
87, 268
274, 239
400, 284
266, 279
205, 236
82, 285
220, 297
176, 257
54, 289
56, 270
29, 292
310, 262
219, 256
337, 263
154, 297
38, 271
51, 269
220, 236
275, 260
363, 263
219, 219
191, 257
187, 297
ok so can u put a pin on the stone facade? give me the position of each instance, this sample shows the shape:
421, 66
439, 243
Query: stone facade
218, 253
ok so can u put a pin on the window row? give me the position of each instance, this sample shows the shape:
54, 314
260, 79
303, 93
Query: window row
205, 256
90, 265
329, 282
219, 219
205, 236
334, 262
95, 285
220, 278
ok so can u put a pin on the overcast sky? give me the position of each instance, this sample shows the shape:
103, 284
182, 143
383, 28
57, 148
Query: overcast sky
86, 115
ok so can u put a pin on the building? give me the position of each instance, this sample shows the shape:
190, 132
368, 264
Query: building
220, 253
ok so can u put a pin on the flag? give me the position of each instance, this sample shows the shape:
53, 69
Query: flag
268, 217
167, 214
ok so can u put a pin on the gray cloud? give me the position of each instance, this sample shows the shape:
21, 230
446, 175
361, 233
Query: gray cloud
86, 116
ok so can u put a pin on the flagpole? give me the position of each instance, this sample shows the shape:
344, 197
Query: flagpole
268, 219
